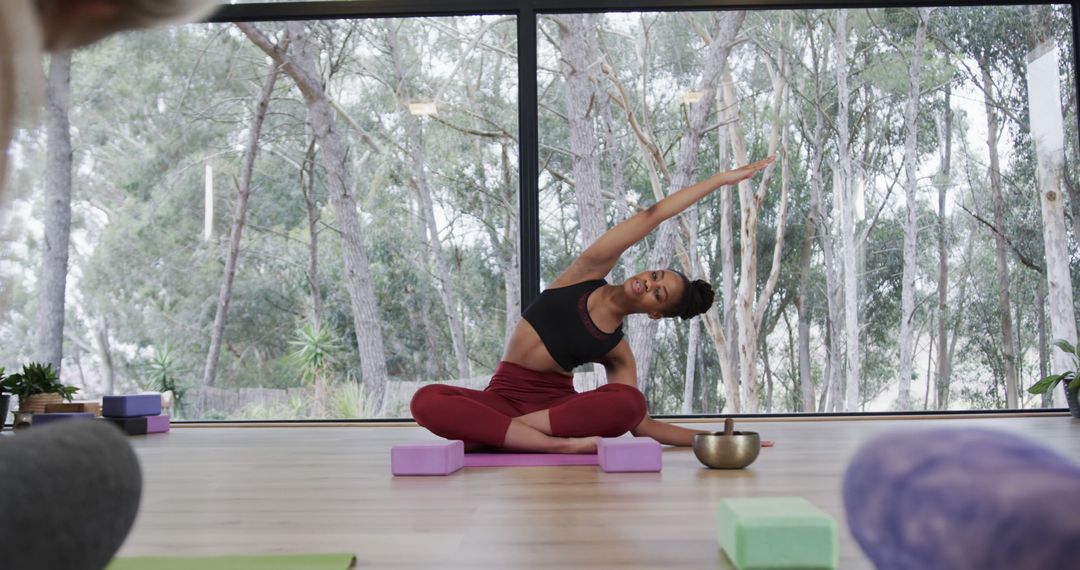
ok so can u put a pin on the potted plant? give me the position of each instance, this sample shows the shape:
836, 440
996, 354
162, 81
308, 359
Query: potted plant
1070, 379
37, 385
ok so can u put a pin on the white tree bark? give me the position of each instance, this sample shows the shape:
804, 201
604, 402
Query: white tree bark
511, 263
828, 400
642, 330
1047, 132
580, 64
834, 285
52, 278
728, 351
846, 181
750, 307
806, 380
695, 324
944, 363
911, 220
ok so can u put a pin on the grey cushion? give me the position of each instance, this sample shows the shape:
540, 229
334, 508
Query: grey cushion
69, 493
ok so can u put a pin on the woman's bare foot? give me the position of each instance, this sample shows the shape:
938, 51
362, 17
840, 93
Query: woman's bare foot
579, 444
523, 437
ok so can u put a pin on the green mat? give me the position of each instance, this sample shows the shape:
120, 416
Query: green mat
266, 562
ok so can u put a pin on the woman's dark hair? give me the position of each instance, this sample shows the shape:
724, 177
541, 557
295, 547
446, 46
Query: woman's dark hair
697, 297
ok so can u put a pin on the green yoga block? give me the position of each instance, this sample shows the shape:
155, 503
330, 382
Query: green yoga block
777, 532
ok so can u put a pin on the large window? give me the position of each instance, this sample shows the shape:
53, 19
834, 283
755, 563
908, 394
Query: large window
311, 219
369, 174
893, 260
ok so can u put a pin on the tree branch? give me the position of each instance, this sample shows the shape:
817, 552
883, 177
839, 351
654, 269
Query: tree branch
1031, 264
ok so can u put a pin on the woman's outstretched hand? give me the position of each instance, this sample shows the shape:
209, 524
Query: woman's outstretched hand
744, 172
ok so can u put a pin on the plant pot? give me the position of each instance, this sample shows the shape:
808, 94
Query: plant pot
37, 402
22, 420
5, 404
1070, 397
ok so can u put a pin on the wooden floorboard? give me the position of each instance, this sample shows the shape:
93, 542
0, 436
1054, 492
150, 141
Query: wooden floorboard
295, 490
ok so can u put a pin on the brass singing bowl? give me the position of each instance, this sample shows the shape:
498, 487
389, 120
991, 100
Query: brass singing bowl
720, 451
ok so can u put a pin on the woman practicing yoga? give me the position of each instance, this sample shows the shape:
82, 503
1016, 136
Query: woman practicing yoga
530, 403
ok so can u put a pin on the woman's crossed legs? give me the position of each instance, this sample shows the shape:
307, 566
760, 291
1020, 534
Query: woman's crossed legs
570, 424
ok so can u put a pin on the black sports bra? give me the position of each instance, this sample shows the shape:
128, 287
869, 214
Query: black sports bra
561, 318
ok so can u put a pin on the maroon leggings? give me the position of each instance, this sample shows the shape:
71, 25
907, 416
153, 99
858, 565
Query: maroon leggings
483, 416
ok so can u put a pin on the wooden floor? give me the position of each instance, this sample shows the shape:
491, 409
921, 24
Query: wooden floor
329, 489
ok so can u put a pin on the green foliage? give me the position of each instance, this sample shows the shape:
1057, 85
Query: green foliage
295, 408
36, 378
1070, 377
347, 400
314, 351
162, 370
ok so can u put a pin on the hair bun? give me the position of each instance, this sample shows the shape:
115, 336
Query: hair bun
700, 298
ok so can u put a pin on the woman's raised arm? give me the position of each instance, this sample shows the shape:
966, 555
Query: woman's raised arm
598, 259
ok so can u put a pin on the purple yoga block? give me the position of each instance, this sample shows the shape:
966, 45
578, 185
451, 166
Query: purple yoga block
427, 457
141, 425
131, 405
42, 419
157, 424
629, 454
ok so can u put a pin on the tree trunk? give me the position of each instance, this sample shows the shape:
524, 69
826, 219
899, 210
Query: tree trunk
691, 367
311, 207
52, 280
577, 42
729, 351
847, 219
642, 330
415, 146
822, 211
1008, 348
301, 66
243, 193
792, 372
512, 264
929, 368
944, 390
1041, 299
944, 368
444, 281
505, 244
829, 398
729, 379
911, 221
751, 304
618, 178
432, 365
806, 380
767, 369
108, 372
1047, 132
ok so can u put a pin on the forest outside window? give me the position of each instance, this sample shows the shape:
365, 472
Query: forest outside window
897, 257
312, 219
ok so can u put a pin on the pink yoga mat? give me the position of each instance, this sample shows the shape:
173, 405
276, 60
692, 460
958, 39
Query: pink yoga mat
528, 459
